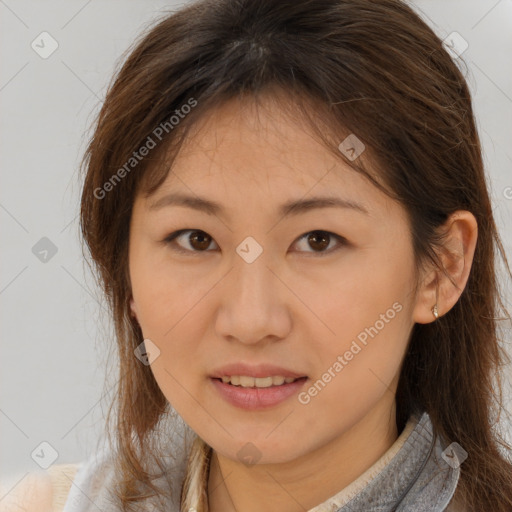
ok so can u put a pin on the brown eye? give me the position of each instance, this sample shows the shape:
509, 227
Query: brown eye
198, 240
320, 240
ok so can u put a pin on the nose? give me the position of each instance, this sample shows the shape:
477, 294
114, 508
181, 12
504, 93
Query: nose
253, 305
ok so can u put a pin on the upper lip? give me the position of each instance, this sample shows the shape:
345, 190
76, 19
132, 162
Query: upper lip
260, 370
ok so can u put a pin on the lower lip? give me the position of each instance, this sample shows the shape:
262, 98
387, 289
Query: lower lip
257, 398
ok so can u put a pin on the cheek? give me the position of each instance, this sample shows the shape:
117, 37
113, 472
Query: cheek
366, 291
162, 293
168, 307
366, 325
359, 367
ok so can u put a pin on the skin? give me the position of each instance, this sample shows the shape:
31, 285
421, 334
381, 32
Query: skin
294, 306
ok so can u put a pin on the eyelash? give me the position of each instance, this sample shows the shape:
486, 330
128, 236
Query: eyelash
169, 240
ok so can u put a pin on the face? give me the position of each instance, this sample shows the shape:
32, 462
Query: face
324, 293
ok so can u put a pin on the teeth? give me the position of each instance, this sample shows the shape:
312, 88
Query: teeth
260, 382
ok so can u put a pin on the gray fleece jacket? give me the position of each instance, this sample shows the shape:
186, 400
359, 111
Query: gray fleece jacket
414, 475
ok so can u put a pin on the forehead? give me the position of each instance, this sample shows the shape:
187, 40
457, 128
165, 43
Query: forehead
244, 153
249, 137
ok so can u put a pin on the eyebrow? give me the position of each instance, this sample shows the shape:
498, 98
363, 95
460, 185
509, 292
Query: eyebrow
294, 207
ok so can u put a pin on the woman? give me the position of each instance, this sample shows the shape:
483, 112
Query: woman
288, 212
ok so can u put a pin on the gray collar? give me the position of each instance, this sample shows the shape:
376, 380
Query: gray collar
418, 478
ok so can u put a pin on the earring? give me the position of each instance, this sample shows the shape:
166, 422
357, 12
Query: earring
434, 309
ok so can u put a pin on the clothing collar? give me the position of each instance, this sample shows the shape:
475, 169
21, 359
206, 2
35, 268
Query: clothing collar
412, 474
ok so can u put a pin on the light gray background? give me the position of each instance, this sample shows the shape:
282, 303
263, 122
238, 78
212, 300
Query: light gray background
53, 355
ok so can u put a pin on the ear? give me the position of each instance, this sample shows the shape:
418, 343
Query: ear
456, 255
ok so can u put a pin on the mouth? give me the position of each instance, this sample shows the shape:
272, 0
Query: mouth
257, 393
245, 381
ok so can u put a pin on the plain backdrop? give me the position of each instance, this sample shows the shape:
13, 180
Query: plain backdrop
52, 333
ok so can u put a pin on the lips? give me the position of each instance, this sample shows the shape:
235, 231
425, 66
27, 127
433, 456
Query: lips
256, 399
257, 371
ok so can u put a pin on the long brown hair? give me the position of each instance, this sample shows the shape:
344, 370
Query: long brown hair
373, 69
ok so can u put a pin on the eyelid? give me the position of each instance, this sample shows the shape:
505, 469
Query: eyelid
342, 242
168, 240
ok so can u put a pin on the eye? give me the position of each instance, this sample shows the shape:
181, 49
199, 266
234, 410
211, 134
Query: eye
319, 240
199, 241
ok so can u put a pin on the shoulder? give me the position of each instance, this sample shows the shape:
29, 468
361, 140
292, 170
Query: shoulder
73, 487
37, 491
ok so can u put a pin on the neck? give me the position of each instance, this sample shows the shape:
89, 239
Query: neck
304, 482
